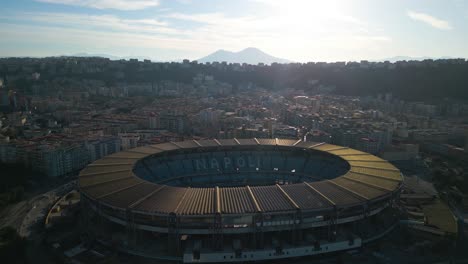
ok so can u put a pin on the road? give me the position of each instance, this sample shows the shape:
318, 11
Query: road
25, 216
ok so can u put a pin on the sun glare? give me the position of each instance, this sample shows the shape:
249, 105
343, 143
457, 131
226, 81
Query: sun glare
304, 10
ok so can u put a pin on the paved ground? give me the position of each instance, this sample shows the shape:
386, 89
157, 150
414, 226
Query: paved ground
39, 206
27, 216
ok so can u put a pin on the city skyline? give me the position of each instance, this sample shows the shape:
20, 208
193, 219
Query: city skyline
173, 30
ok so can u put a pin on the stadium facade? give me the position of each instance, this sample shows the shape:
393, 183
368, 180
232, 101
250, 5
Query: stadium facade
238, 200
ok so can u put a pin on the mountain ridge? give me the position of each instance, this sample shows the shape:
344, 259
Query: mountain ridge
248, 55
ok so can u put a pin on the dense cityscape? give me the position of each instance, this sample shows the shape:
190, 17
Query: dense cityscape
60, 114
247, 131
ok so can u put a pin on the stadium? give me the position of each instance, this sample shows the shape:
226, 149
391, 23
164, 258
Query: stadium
238, 200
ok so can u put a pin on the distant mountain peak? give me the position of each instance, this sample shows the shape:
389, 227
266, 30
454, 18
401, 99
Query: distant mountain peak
251, 49
220, 51
250, 55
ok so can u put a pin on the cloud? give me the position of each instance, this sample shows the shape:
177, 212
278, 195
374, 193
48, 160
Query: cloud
91, 41
107, 4
95, 22
430, 20
298, 37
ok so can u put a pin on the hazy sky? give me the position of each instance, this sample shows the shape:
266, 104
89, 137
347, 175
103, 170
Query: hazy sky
299, 30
